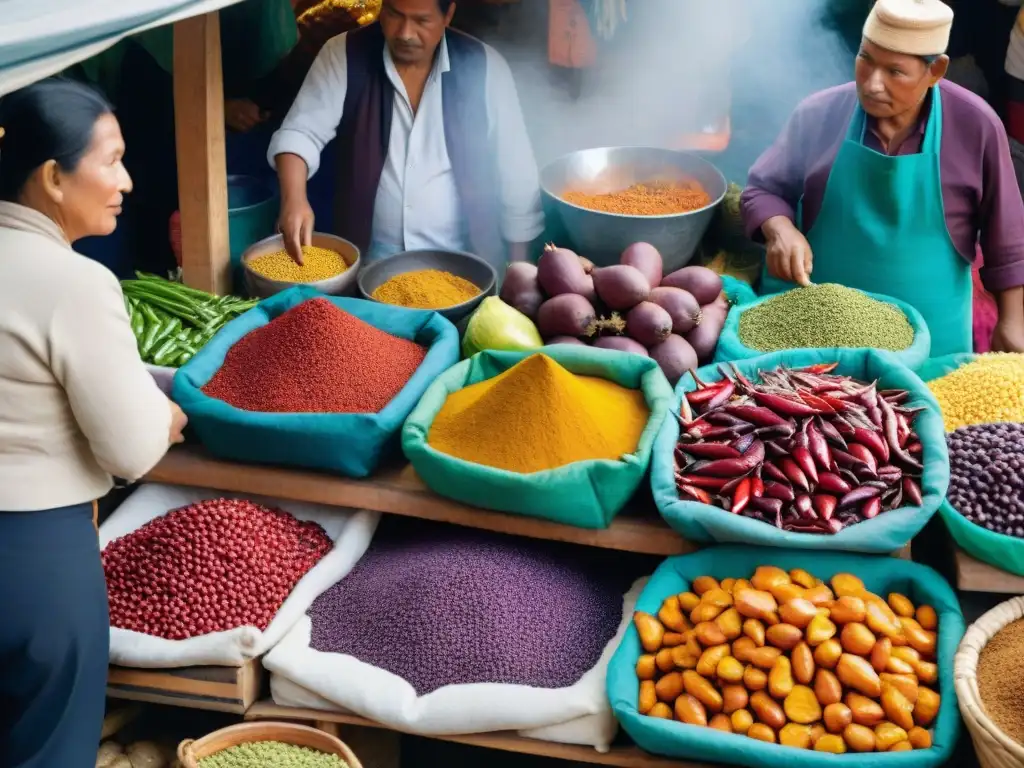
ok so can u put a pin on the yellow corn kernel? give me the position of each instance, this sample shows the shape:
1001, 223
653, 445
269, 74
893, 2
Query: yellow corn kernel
317, 264
989, 389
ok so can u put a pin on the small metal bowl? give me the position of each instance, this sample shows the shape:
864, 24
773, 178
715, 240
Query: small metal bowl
464, 265
340, 285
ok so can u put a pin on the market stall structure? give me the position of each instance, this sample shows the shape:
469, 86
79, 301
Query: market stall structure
199, 105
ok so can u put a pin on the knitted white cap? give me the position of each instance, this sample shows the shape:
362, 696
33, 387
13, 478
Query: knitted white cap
916, 27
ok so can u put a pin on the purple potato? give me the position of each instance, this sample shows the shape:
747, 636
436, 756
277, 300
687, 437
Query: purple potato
675, 357
705, 284
620, 286
560, 272
681, 306
704, 338
622, 344
645, 258
648, 323
521, 289
566, 315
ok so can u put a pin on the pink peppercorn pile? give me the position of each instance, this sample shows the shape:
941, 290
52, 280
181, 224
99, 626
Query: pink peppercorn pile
315, 358
209, 567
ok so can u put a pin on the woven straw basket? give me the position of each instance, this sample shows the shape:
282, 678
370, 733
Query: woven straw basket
191, 752
994, 748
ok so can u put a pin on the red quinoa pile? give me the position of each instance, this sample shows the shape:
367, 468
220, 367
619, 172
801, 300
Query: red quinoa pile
315, 358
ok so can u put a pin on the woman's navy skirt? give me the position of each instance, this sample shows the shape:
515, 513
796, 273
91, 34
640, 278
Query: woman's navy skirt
54, 638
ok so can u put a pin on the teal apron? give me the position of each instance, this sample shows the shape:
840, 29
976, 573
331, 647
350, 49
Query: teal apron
882, 229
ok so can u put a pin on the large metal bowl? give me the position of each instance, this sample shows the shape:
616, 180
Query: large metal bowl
602, 237
340, 285
464, 265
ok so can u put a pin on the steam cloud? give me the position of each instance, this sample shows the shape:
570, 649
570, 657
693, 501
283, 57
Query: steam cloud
675, 68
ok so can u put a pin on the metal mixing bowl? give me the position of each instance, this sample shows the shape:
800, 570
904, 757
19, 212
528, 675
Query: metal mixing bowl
464, 265
601, 237
340, 285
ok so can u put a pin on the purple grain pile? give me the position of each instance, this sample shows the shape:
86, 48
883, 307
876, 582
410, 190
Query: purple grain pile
986, 476
447, 606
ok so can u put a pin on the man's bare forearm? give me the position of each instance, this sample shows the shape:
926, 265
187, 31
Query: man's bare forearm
1011, 306
292, 173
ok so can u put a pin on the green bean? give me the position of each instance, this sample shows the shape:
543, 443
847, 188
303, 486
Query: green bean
166, 352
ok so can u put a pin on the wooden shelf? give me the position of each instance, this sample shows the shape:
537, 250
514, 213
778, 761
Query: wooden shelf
224, 689
975, 576
625, 757
398, 491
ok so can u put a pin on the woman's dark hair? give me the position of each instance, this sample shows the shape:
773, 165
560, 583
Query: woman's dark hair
49, 120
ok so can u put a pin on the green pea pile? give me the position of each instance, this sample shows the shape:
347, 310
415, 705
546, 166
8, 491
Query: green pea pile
827, 315
271, 754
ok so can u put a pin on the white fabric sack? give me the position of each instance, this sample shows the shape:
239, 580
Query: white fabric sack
596, 731
351, 530
578, 714
163, 376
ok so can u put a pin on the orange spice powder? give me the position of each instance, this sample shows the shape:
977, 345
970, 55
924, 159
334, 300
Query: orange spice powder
647, 199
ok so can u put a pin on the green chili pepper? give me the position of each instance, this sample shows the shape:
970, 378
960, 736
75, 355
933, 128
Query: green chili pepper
183, 358
166, 352
138, 322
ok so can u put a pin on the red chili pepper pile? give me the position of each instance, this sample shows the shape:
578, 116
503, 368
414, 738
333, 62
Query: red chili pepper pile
209, 567
805, 450
315, 358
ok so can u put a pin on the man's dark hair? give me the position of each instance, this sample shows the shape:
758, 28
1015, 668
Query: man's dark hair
445, 5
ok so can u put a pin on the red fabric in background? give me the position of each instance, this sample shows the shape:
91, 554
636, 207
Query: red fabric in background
985, 311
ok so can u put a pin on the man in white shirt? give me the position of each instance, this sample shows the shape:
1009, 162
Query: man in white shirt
433, 149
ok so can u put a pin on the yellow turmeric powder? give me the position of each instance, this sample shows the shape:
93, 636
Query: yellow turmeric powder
426, 289
990, 389
537, 416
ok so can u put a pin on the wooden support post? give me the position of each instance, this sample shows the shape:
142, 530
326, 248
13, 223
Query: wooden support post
202, 163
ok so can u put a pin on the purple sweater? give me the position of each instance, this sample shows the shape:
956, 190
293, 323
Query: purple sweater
979, 188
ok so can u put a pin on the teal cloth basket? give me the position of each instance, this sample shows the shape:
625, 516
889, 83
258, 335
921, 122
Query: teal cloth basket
737, 291
344, 443
886, 533
880, 575
587, 494
731, 348
1004, 552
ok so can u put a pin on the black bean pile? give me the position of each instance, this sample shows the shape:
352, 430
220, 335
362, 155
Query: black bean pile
447, 606
986, 483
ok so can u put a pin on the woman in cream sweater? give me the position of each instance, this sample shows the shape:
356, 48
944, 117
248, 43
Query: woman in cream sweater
76, 408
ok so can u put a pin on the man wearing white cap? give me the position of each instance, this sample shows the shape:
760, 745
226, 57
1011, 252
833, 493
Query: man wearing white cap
889, 183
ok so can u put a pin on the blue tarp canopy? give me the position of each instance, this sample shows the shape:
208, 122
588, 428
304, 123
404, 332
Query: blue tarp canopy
39, 38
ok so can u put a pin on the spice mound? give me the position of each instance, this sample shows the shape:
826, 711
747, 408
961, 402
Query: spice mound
209, 567
426, 289
451, 606
658, 198
989, 389
822, 316
1001, 680
537, 416
986, 476
317, 264
261, 754
315, 358
805, 450
784, 658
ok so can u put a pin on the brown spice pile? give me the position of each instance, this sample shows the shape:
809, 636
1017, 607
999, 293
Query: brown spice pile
648, 199
1001, 680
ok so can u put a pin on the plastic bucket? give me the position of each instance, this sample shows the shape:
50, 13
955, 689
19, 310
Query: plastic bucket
252, 216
